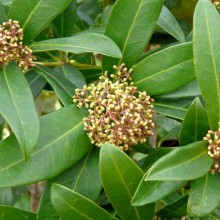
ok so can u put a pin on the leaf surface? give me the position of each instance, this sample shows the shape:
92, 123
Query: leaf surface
34, 16
131, 33
183, 163
206, 53
81, 43
120, 176
57, 149
73, 206
19, 107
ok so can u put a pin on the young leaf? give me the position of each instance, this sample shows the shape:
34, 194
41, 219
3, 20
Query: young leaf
170, 75
8, 212
57, 149
169, 23
195, 124
151, 191
176, 209
206, 52
183, 163
204, 195
63, 88
71, 205
34, 16
79, 178
131, 33
120, 176
19, 107
81, 43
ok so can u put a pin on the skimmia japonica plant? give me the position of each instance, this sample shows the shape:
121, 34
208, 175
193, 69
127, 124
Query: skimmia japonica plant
109, 109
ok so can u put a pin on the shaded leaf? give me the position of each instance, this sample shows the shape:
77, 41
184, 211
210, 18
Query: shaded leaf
73, 206
131, 33
169, 23
195, 124
19, 107
79, 177
159, 79
206, 53
6, 197
8, 212
56, 150
120, 176
81, 43
183, 163
63, 88
176, 209
34, 16
3, 16
204, 195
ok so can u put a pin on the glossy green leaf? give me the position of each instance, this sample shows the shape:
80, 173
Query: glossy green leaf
19, 108
159, 79
79, 178
66, 20
183, 163
81, 43
57, 149
71, 205
151, 191
121, 176
72, 74
63, 88
34, 16
206, 53
176, 209
36, 82
131, 33
9, 213
204, 195
169, 23
195, 124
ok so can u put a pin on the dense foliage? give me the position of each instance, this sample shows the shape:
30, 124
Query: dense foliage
113, 107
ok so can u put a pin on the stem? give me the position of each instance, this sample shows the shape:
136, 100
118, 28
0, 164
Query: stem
83, 66
50, 64
52, 56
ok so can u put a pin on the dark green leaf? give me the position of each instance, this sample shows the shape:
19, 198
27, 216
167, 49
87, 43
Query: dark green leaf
120, 176
169, 23
176, 209
170, 75
131, 33
151, 191
72, 74
63, 88
9, 213
183, 163
81, 43
65, 22
73, 206
19, 107
34, 16
57, 149
195, 124
79, 177
206, 53
36, 82
204, 195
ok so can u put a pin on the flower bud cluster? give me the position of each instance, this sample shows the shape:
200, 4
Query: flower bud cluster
213, 138
11, 46
118, 113
217, 5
